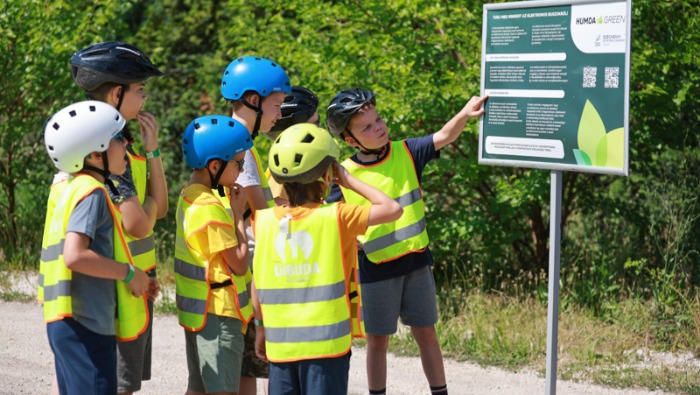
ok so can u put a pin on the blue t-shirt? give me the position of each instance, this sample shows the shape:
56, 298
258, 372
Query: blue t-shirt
422, 149
94, 299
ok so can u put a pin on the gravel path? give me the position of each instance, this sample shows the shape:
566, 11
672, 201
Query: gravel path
26, 365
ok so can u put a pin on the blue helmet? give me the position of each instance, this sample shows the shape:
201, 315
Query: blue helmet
252, 73
214, 137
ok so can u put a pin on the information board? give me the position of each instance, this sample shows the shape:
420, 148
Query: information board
557, 77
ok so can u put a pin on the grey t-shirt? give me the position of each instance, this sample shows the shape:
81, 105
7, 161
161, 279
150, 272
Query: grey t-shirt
94, 299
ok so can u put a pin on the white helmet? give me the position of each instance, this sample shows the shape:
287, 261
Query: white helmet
79, 129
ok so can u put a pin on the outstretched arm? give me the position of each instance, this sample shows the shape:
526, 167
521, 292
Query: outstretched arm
454, 127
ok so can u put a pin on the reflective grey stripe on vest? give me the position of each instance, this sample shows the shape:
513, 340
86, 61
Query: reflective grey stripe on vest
52, 252
41, 279
409, 198
189, 270
307, 333
52, 292
320, 293
190, 305
243, 298
395, 237
268, 194
199, 273
142, 246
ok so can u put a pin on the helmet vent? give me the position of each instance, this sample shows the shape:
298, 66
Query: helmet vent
72, 113
56, 125
50, 147
308, 138
197, 125
231, 124
297, 159
276, 159
214, 121
93, 109
116, 117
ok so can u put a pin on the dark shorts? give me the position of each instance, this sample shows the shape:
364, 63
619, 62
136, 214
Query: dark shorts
252, 365
86, 362
410, 297
134, 359
328, 376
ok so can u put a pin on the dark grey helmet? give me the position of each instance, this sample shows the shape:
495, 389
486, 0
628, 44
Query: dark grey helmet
111, 61
343, 106
299, 105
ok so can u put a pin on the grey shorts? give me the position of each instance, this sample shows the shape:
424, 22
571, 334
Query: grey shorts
410, 297
214, 355
134, 359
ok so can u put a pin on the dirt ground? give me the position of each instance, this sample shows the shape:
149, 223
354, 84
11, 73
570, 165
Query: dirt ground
26, 365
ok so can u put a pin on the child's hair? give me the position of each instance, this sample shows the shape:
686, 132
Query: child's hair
101, 92
299, 193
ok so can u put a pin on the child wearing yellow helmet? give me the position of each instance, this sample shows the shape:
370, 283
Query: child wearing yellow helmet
303, 263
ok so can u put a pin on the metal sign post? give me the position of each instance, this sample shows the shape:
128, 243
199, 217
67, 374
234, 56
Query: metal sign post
553, 295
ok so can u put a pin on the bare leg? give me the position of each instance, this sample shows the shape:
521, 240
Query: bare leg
377, 346
248, 386
430, 354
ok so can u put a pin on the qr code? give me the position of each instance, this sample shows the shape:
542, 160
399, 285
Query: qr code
612, 77
589, 76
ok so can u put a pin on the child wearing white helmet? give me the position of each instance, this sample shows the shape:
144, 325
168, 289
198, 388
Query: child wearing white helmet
304, 261
116, 73
211, 256
85, 249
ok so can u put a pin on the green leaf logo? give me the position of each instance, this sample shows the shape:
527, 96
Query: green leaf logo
599, 20
596, 147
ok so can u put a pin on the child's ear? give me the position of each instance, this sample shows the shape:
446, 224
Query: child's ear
114, 94
351, 141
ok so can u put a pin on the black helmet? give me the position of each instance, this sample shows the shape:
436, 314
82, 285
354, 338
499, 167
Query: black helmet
299, 105
111, 61
344, 105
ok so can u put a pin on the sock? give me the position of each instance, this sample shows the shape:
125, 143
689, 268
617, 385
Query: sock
439, 390
378, 392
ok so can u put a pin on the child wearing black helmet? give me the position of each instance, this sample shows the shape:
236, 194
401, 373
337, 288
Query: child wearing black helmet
394, 258
299, 107
116, 73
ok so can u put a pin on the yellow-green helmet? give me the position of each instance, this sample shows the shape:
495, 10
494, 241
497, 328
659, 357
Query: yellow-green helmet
302, 153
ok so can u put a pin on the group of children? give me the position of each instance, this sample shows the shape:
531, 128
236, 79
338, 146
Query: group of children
277, 247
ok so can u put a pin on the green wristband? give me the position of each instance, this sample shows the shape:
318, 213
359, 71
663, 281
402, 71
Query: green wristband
153, 154
130, 275
258, 322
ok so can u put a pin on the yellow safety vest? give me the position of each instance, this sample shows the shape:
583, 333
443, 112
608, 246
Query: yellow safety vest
132, 317
300, 280
192, 286
142, 250
47, 253
263, 180
395, 175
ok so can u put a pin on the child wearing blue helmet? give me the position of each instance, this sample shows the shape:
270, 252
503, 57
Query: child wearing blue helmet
256, 89
211, 256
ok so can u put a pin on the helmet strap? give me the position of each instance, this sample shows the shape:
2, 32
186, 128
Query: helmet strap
366, 151
104, 173
258, 117
215, 178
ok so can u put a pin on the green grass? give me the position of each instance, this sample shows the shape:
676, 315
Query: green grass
511, 333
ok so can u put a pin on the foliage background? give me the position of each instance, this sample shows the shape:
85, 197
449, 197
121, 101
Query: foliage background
633, 238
